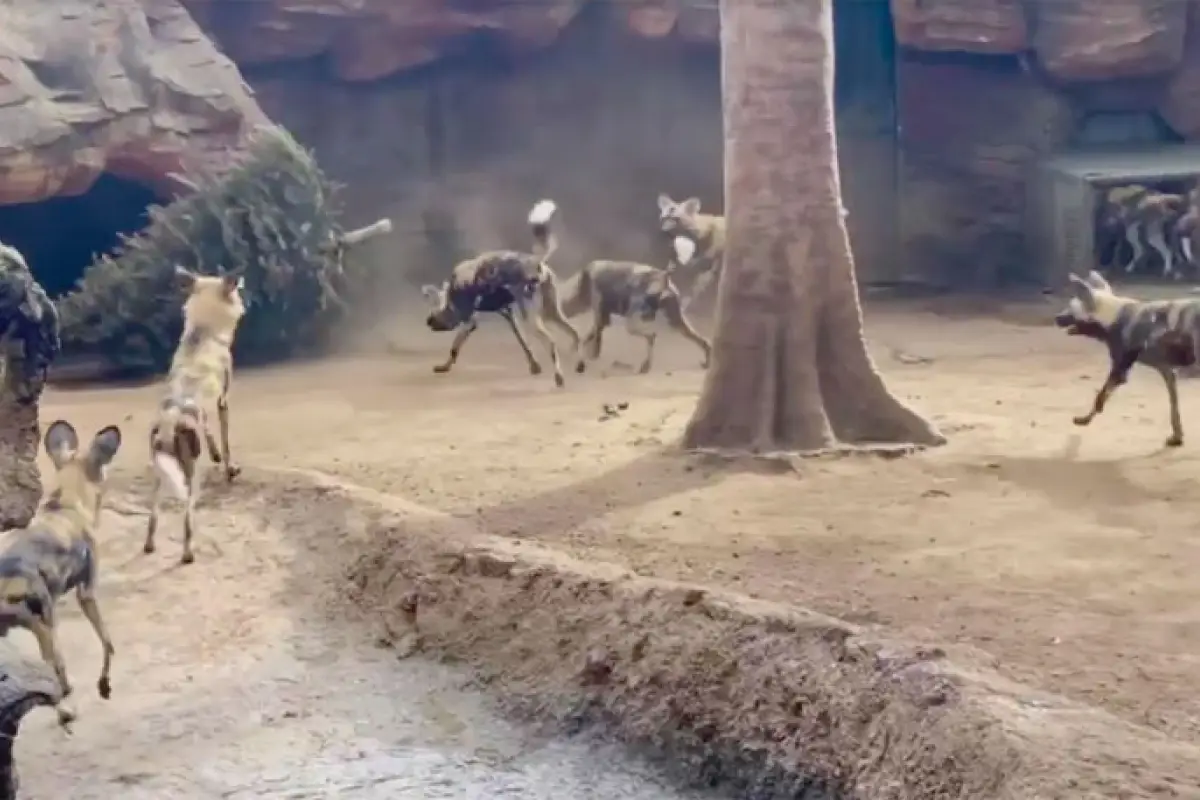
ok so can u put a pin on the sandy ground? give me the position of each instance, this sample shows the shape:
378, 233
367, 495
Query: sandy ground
1066, 556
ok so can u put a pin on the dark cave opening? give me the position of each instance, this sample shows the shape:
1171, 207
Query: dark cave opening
61, 236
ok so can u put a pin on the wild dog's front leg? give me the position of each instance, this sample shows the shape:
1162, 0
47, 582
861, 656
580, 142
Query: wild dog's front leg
1118, 373
460, 338
1133, 235
231, 470
86, 594
1168, 376
534, 367
43, 632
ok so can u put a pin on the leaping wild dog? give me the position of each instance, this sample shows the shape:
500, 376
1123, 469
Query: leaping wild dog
200, 377
1162, 334
644, 295
1148, 218
499, 282
56, 552
707, 232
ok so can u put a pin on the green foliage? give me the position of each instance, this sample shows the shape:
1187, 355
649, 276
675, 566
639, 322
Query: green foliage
271, 218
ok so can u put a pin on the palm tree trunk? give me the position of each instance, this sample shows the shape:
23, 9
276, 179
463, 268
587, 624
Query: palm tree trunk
790, 369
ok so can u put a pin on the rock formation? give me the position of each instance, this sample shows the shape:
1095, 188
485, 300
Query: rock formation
29, 343
132, 87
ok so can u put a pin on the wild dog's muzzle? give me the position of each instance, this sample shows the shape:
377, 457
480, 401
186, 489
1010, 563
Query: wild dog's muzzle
1065, 320
438, 323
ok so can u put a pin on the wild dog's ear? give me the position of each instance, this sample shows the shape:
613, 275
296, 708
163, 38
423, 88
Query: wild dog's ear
61, 442
1096, 281
186, 278
234, 282
664, 202
434, 294
690, 206
105, 445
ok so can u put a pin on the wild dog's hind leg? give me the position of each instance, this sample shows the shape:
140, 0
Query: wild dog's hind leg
552, 311
231, 470
534, 367
191, 472
86, 595
679, 322
155, 507
701, 285
1168, 376
589, 348
460, 338
43, 632
539, 328
1118, 373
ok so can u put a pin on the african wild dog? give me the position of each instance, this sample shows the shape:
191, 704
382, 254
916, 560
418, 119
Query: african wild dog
644, 295
1147, 218
707, 232
56, 552
500, 281
200, 376
1162, 334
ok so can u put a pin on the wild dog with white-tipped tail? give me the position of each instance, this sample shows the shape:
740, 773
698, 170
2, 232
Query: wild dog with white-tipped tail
510, 284
644, 295
707, 233
200, 377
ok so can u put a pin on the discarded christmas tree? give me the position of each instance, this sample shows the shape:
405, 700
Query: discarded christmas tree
271, 218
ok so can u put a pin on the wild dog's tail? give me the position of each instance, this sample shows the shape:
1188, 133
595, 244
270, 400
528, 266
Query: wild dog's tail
683, 249
174, 440
544, 243
577, 292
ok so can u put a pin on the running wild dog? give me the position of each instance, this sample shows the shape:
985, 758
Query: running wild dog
644, 295
56, 552
1147, 218
200, 376
1162, 334
707, 232
499, 282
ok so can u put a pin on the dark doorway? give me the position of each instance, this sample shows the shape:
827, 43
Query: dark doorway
60, 237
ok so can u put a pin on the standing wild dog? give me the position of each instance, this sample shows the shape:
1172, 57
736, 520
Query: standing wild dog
501, 281
56, 552
1162, 334
707, 232
200, 376
644, 295
1149, 220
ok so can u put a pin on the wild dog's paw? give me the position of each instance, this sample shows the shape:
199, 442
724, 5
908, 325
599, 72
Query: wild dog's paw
644, 368
232, 471
104, 687
535, 368
1081, 421
187, 558
559, 381
442, 369
580, 367
148, 548
66, 716
1174, 441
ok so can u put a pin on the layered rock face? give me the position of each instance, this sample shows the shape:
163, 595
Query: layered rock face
602, 114
132, 87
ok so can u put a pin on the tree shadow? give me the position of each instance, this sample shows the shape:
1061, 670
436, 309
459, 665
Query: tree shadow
649, 478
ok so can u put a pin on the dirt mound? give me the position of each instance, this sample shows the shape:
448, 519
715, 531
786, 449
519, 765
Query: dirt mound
775, 701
